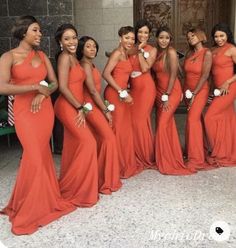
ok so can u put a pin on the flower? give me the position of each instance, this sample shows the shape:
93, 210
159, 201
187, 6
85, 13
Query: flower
123, 94
217, 92
146, 55
135, 74
87, 107
43, 83
111, 107
164, 98
188, 94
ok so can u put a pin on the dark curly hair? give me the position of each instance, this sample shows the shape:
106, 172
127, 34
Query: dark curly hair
21, 26
141, 23
223, 28
80, 49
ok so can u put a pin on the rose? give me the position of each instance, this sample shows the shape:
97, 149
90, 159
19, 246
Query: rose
43, 83
123, 94
111, 107
87, 107
146, 55
217, 92
164, 98
188, 94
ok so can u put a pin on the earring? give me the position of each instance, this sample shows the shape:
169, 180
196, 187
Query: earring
61, 47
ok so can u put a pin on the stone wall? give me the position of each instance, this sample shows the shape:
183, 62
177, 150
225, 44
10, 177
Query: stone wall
101, 19
50, 14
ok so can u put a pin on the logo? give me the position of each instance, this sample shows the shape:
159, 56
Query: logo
220, 231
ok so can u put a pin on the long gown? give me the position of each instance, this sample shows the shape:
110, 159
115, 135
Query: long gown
79, 170
194, 129
108, 163
168, 149
36, 198
122, 124
143, 91
220, 118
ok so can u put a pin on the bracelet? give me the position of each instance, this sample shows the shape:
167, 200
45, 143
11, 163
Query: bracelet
80, 108
105, 111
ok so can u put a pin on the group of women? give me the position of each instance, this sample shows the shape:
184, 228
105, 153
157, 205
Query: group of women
106, 140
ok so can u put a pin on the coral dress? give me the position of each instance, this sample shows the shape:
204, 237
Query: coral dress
122, 124
194, 130
220, 118
108, 163
36, 198
168, 150
143, 91
79, 170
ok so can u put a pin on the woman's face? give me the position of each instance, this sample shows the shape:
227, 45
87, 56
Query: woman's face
220, 38
127, 40
143, 34
69, 41
163, 39
33, 34
192, 39
90, 49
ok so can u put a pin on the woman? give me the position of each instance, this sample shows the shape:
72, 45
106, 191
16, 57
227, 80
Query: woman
143, 91
116, 73
169, 94
100, 120
197, 66
220, 118
36, 198
79, 171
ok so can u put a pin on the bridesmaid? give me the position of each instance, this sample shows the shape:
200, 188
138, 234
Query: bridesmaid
79, 170
100, 120
143, 91
197, 66
168, 150
116, 73
220, 118
36, 198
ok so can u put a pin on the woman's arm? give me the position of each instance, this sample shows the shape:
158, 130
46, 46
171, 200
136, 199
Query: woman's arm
6, 88
51, 76
89, 82
111, 63
146, 64
63, 67
173, 69
206, 68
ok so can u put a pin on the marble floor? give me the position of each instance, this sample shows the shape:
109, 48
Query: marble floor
150, 210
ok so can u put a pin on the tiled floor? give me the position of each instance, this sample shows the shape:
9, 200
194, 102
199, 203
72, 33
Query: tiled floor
151, 210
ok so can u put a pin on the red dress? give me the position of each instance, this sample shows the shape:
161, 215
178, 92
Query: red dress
194, 130
122, 124
143, 91
108, 163
79, 170
36, 198
220, 119
168, 150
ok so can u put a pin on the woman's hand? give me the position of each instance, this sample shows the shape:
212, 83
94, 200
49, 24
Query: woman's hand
36, 103
129, 99
190, 102
108, 116
166, 106
224, 89
44, 90
80, 119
